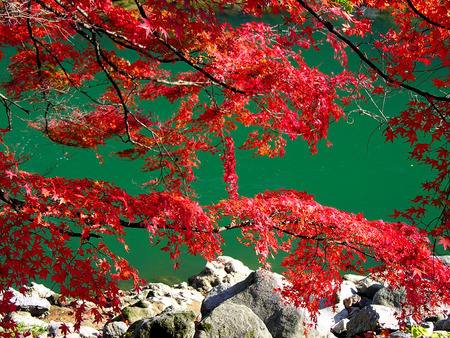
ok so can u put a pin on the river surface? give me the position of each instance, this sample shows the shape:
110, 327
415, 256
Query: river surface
359, 173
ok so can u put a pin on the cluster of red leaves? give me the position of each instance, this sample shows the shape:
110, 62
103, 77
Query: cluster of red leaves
36, 232
254, 76
418, 45
322, 242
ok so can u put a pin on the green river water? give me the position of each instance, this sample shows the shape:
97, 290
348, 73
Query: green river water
359, 173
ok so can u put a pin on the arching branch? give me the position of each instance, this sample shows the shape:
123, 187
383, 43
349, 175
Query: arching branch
184, 58
329, 26
425, 18
17, 205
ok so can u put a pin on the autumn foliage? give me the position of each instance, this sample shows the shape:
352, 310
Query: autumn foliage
253, 75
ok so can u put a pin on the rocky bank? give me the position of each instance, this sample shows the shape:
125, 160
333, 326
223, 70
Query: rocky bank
227, 299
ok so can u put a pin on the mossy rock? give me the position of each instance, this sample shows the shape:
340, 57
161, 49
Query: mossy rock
177, 324
136, 312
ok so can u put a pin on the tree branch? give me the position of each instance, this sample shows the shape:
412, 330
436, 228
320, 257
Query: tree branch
181, 55
14, 203
17, 205
317, 237
329, 26
425, 18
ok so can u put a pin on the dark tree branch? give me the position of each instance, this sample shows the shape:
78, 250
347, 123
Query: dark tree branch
329, 26
182, 56
78, 235
425, 18
316, 237
17, 205
14, 203
14, 103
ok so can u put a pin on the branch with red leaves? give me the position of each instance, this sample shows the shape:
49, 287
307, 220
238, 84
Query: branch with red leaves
252, 76
330, 27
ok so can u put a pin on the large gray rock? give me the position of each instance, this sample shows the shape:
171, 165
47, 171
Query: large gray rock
178, 324
223, 270
114, 329
328, 318
27, 321
346, 290
368, 287
216, 296
258, 293
445, 259
394, 298
443, 324
232, 321
372, 317
41, 291
32, 304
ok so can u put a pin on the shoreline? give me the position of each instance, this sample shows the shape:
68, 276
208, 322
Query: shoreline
228, 290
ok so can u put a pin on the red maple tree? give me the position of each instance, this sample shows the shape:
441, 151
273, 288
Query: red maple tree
251, 75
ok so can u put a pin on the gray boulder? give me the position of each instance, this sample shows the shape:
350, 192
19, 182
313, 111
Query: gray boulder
347, 289
114, 329
368, 287
232, 321
223, 270
32, 304
257, 292
177, 324
216, 296
27, 321
445, 259
372, 317
390, 297
41, 291
328, 318
443, 324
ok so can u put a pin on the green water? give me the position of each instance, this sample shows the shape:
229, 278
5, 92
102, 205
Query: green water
359, 173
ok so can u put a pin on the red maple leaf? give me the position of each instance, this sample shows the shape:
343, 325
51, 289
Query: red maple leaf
445, 241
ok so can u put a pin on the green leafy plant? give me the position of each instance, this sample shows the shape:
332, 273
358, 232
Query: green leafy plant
346, 5
418, 331
33, 330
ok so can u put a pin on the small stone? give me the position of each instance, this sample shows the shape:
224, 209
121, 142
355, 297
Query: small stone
400, 334
114, 329
351, 301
